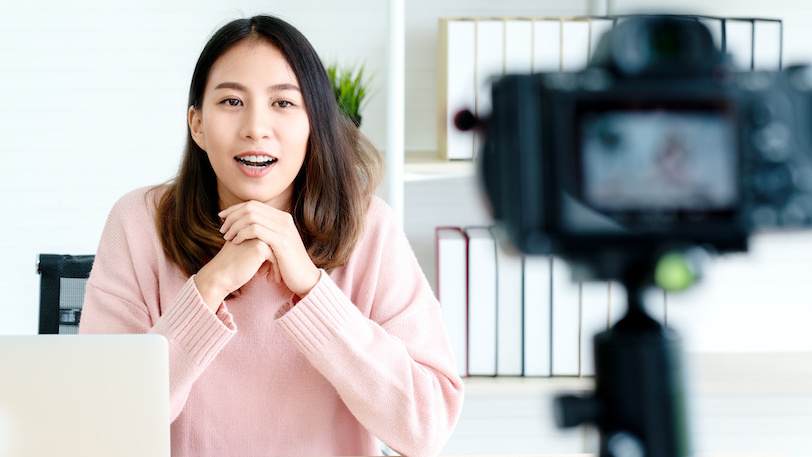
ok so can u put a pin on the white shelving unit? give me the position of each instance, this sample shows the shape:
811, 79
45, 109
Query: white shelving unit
738, 402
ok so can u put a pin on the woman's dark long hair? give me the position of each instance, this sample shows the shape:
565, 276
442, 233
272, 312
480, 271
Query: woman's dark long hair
332, 190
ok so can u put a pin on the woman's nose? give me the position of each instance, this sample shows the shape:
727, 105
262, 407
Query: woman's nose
256, 124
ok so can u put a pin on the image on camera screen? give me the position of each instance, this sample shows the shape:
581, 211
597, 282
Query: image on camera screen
644, 161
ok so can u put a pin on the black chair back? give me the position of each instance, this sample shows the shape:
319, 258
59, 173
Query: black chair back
62, 291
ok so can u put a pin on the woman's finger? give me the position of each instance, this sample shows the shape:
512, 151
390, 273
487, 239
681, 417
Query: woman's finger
238, 212
224, 216
231, 209
236, 226
265, 269
251, 232
240, 218
277, 273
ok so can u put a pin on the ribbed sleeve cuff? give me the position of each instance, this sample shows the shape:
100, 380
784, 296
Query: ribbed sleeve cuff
318, 316
189, 323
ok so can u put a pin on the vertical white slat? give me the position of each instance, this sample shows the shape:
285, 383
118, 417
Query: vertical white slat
395, 108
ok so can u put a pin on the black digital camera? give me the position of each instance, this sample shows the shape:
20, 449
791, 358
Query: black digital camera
657, 143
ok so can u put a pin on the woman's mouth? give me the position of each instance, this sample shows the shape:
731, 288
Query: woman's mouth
256, 162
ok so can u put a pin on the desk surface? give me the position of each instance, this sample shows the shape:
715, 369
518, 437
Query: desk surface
752, 372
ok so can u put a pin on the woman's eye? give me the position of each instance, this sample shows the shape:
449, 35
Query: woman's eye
283, 103
232, 102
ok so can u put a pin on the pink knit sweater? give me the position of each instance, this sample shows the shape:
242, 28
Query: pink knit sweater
363, 355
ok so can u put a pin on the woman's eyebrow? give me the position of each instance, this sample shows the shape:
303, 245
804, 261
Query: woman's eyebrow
283, 87
231, 85
274, 88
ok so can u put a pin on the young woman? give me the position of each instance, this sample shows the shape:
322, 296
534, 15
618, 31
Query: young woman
298, 319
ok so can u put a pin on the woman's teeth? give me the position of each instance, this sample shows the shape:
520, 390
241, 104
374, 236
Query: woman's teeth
256, 161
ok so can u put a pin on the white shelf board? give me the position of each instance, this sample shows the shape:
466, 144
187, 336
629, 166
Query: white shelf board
709, 372
494, 384
425, 165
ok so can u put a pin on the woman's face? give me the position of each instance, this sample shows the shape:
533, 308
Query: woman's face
253, 125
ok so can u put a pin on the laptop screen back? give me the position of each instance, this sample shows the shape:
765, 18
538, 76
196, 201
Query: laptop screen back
84, 395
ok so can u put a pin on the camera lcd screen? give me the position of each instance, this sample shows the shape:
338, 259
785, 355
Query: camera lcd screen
658, 161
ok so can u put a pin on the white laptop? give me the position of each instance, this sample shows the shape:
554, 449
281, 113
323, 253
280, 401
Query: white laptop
84, 396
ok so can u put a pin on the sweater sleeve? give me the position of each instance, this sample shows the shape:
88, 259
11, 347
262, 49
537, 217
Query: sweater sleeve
394, 370
123, 296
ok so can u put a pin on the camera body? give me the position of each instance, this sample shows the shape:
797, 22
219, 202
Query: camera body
656, 145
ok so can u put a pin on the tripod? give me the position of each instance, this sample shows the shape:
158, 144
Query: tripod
639, 403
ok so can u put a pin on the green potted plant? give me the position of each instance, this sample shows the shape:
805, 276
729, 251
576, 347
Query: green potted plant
350, 88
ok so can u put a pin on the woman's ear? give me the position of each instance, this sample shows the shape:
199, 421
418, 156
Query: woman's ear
196, 127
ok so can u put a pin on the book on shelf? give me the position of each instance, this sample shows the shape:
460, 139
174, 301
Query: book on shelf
656, 302
518, 46
482, 299
715, 28
536, 335
575, 43
566, 320
508, 306
739, 43
456, 85
490, 64
767, 47
617, 302
598, 27
594, 318
452, 290
546, 46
